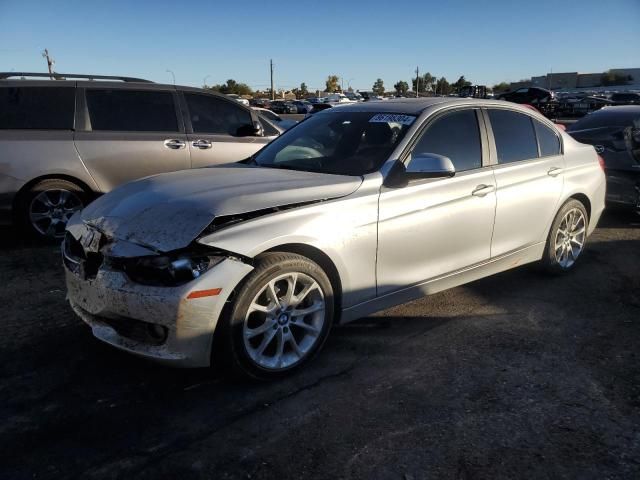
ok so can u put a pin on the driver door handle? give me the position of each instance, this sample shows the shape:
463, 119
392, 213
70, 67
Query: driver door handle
201, 144
554, 172
174, 144
482, 190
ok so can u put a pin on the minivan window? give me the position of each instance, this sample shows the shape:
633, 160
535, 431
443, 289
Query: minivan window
42, 108
514, 136
132, 110
455, 135
548, 140
210, 114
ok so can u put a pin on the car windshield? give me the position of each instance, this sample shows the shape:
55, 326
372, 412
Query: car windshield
342, 143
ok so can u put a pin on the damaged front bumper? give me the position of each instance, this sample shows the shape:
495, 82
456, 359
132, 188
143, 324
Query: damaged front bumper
172, 325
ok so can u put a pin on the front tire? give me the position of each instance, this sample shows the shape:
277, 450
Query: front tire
281, 317
46, 208
567, 238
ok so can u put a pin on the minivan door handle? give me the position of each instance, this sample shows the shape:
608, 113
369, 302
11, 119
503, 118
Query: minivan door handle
201, 144
174, 144
555, 171
482, 190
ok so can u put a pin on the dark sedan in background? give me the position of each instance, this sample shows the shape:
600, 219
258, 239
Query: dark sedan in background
615, 134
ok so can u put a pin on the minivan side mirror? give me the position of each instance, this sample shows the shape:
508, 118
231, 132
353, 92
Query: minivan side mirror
254, 130
429, 165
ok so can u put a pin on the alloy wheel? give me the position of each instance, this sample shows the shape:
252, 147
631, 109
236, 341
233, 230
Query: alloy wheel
284, 321
50, 210
570, 238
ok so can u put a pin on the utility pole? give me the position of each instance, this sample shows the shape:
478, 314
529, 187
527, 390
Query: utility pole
273, 93
50, 62
417, 81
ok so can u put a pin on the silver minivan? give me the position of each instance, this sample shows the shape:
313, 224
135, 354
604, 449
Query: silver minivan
62, 142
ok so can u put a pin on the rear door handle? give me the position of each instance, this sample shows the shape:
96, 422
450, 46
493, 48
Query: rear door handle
482, 190
555, 171
201, 144
174, 144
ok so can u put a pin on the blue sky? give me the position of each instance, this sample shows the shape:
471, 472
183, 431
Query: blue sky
358, 40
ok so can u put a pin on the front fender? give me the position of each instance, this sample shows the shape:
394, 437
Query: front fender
344, 229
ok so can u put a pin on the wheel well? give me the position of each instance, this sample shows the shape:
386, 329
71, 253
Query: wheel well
582, 198
27, 186
325, 263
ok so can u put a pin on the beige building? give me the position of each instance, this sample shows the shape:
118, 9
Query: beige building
569, 80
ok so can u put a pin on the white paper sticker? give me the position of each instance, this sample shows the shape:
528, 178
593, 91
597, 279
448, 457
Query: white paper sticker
392, 118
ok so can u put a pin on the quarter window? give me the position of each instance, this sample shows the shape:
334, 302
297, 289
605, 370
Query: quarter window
455, 135
131, 110
547, 140
214, 115
514, 136
42, 108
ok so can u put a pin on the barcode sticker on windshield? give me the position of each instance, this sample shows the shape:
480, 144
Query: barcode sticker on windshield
392, 118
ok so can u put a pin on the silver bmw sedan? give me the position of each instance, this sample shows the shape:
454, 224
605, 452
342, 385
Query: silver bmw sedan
354, 210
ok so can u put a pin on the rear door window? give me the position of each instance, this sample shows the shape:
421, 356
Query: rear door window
210, 114
548, 140
514, 136
41, 108
132, 110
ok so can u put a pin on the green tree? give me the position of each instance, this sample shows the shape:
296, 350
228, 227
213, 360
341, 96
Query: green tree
332, 84
501, 87
401, 87
611, 78
378, 87
443, 87
426, 83
233, 87
461, 82
304, 91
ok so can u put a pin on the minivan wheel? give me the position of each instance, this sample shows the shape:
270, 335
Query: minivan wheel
567, 238
48, 206
281, 316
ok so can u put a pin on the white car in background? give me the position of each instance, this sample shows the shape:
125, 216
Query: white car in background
238, 98
275, 118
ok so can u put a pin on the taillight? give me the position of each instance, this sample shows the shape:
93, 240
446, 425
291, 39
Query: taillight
601, 162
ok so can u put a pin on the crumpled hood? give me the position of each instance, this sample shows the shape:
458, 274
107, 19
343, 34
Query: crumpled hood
169, 211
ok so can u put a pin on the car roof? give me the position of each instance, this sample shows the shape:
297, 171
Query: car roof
415, 106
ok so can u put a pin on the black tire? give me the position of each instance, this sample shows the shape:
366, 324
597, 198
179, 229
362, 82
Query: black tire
75, 198
231, 337
550, 261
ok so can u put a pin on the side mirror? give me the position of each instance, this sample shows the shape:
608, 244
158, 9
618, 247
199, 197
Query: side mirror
254, 130
429, 165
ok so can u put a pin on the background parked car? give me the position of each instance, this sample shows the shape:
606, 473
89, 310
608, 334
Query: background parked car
302, 106
275, 118
281, 106
530, 95
62, 142
238, 99
626, 98
259, 102
615, 134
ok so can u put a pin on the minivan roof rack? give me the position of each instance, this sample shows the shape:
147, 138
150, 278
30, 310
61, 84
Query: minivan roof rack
64, 76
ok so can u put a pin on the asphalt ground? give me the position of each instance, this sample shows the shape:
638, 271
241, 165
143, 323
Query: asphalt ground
519, 375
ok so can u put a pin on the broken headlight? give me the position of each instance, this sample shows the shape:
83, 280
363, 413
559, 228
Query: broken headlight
169, 270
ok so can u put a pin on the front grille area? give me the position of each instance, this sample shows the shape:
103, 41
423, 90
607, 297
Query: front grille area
77, 260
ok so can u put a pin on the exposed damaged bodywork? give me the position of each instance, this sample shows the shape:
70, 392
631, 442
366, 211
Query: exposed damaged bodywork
167, 212
138, 273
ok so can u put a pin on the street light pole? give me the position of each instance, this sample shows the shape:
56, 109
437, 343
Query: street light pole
204, 81
173, 75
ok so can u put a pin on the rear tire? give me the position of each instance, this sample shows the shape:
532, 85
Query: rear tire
567, 238
266, 339
47, 206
